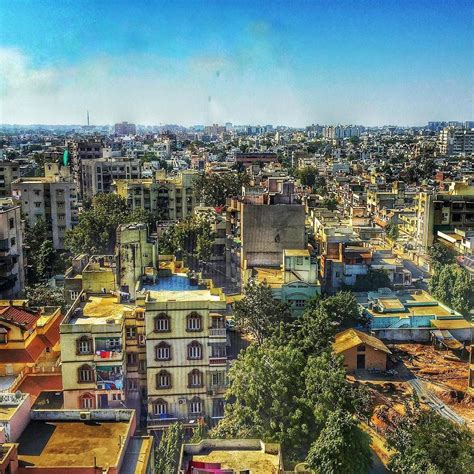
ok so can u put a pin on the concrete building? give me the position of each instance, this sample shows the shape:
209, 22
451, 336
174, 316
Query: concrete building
360, 351
80, 152
137, 254
92, 352
447, 215
12, 266
258, 233
231, 456
84, 442
455, 141
125, 128
9, 172
99, 174
27, 335
52, 197
295, 283
14, 415
186, 349
170, 198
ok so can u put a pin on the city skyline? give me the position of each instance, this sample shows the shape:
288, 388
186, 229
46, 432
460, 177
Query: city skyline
203, 63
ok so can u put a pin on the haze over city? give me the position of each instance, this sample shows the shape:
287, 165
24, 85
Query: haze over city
291, 63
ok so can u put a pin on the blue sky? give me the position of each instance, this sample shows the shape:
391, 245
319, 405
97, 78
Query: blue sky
294, 62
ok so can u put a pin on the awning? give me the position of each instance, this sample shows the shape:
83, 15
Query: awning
446, 338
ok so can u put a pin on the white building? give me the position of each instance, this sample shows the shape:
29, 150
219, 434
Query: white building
12, 274
52, 197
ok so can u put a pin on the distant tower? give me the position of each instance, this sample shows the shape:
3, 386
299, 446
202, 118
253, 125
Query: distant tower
88, 118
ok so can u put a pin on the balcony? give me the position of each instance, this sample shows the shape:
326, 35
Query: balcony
217, 332
218, 360
101, 355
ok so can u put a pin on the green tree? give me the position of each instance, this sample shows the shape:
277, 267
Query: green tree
41, 295
168, 450
213, 189
341, 448
451, 285
424, 442
268, 401
440, 255
325, 317
330, 203
44, 260
96, 230
307, 175
258, 313
392, 231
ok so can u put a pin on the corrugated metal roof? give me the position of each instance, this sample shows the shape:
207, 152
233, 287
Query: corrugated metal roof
352, 337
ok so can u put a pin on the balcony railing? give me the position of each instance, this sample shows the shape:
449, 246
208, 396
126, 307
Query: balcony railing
108, 355
218, 360
217, 332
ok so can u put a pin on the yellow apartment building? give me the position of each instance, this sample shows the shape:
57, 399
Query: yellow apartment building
186, 350
172, 197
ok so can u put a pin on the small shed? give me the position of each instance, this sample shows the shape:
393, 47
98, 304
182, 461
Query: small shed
360, 350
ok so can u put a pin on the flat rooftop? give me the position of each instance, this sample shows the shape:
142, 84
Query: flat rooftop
273, 276
176, 282
256, 461
98, 309
71, 444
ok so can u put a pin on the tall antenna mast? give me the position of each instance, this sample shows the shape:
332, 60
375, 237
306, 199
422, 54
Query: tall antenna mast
88, 118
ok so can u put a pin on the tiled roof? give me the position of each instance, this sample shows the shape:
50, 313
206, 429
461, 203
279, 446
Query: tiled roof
18, 316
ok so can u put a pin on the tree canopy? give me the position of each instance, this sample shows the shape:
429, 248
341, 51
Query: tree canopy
213, 189
168, 450
258, 313
452, 286
440, 255
96, 230
424, 442
193, 236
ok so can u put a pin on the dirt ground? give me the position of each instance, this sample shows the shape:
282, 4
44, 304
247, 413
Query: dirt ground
443, 372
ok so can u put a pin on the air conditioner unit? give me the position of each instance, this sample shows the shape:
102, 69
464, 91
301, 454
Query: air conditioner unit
182, 401
85, 415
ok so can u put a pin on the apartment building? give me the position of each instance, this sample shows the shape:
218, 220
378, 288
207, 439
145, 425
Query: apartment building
81, 152
92, 352
448, 215
172, 198
27, 335
455, 141
98, 174
9, 172
12, 267
125, 128
186, 350
52, 197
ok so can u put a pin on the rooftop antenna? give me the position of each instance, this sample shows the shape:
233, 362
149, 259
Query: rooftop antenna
88, 119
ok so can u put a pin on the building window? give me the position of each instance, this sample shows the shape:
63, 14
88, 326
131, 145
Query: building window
194, 322
86, 374
162, 323
299, 303
195, 406
131, 332
160, 407
163, 351
361, 348
87, 401
3, 337
142, 366
194, 350
299, 260
195, 378
73, 295
163, 379
132, 359
132, 384
12, 222
84, 345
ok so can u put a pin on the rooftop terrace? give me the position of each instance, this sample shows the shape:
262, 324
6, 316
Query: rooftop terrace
69, 444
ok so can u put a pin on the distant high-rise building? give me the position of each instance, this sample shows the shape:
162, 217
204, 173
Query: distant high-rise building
125, 128
456, 141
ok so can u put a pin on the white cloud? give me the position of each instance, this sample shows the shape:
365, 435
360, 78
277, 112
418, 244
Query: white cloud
256, 85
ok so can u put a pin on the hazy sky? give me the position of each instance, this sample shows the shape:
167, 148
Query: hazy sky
199, 62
